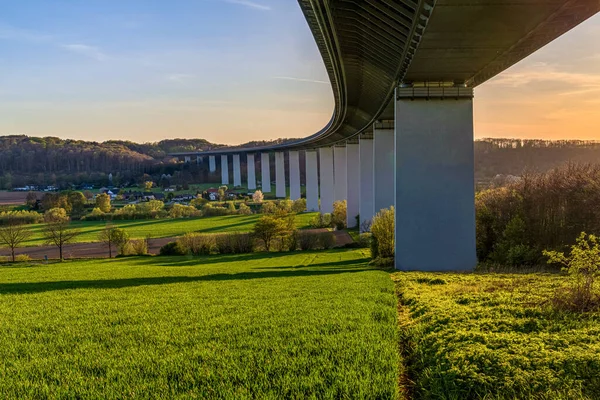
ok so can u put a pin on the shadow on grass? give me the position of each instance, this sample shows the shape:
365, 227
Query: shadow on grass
39, 287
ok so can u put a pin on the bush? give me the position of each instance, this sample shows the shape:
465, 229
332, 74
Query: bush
258, 197
20, 217
137, 247
308, 240
214, 211
182, 211
234, 243
171, 249
583, 267
326, 240
321, 221
382, 230
244, 209
268, 207
285, 205
196, 244
338, 217
299, 206
55, 215
22, 258
364, 240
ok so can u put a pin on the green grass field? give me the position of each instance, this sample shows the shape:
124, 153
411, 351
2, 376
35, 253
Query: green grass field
474, 336
166, 227
318, 325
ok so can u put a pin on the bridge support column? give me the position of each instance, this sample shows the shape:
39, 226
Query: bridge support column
224, 170
280, 190
367, 193
435, 195
312, 181
352, 183
383, 173
237, 171
265, 173
251, 172
212, 165
187, 159
326, 185
295, 193
199, 160
339, 173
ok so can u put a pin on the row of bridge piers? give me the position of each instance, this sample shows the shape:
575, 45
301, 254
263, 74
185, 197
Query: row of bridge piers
421, 162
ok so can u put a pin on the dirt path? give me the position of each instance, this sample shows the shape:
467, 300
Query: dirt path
99, 250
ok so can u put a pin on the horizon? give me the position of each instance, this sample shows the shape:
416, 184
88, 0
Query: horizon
236, 71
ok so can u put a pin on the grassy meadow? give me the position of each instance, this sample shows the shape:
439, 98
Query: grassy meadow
495, 336
159, 228
302, 325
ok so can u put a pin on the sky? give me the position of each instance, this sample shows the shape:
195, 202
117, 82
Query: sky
231, 71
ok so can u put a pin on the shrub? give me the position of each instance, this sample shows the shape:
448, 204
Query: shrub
583, 267
244, 209
198, 202
171, 249
291, 241
338, 217
182, 211
364, 240
196, 244
137, 247
55, 215
299, 206
285, 205
231, 207
326, 240
321, 221
103, 202
234, 243
382, 231
224, 243
214, 211
20, 217
308, 240
269, 207
268, 228
22, 257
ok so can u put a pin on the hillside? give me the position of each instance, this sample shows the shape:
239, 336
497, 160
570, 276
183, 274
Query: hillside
49, 160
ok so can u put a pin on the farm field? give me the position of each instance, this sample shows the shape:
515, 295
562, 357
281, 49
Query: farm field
160, 228
283, 325
472, 336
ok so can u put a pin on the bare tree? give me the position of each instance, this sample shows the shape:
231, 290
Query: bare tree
13, 234
59, 233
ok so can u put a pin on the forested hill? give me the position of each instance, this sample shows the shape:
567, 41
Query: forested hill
32, 160
514, 156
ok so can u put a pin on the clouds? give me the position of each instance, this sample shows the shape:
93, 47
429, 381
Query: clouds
249, 4
85, 50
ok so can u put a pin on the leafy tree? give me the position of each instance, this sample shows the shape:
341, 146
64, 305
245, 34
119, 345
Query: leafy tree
55, 215
148, 185
59, 233
103, 202
113, 236
267, 228
258, 196
12, 234
77, 201
231, 207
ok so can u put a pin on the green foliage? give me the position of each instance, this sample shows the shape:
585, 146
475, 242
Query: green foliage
382, 234
364, 240
198, 202
268, 228
473, 336
114, 236
197, 244
22, 216
103, 202
138, 247
338, 217
321, 220
182, 211
234, 243
299, 206
214, 211
55, 215
583, 267
231, 207
171, 249
326, 240
244, 209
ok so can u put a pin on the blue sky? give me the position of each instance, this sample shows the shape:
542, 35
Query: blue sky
232, 71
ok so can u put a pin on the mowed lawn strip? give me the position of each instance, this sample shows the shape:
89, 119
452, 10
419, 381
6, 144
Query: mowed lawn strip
300, 325
473, 336
160, 228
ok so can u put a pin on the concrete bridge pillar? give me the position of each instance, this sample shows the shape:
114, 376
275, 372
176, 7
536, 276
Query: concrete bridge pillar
312, 181
251, 172
352, 183
383, 173
224, 170
212, 165
367, 192
187, 159
435, 191
265, 172
280, 190
326, 183
294, 158
339, 173
237, 171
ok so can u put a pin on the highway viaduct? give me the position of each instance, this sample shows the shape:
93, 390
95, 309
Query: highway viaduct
403, 74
